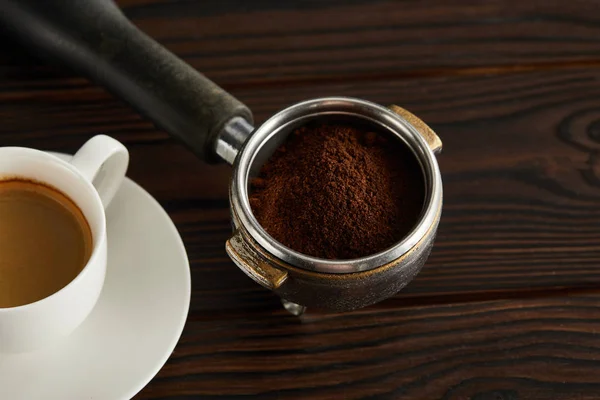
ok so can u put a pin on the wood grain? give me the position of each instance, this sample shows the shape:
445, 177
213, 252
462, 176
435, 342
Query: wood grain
238, 42
252, 43
507, 305
520, 168
518, 349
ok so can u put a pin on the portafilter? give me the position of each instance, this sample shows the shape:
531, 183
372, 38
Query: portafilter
97, 40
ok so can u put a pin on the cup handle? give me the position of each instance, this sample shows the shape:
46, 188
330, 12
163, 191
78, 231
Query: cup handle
103, 161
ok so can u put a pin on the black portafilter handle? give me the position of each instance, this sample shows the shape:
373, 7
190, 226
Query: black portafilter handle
97, 40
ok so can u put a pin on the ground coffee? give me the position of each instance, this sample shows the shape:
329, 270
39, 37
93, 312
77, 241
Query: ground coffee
338, 192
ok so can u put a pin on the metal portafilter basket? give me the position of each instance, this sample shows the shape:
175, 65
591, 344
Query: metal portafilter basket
96, 39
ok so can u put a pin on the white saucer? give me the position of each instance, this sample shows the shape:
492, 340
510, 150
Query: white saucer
136, 324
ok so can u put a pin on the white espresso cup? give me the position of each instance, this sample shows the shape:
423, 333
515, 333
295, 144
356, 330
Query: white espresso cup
90, 180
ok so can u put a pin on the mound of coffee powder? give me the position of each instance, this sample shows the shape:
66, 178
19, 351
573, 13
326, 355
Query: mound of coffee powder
338, 192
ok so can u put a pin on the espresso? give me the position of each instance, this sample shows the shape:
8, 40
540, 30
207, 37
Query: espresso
45, 241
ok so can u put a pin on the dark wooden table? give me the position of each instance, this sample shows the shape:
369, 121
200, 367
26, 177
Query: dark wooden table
508, 305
